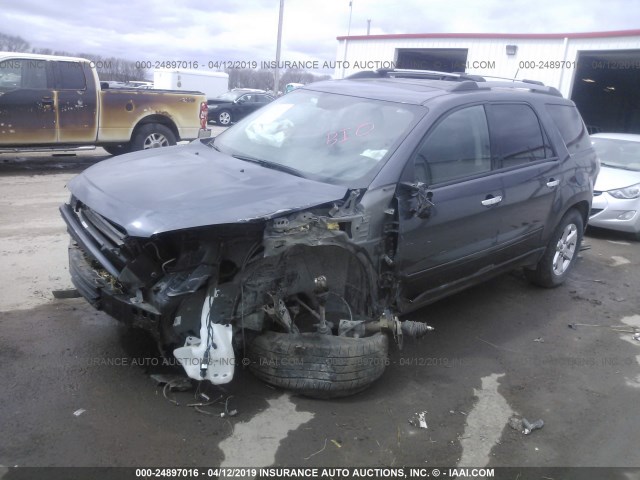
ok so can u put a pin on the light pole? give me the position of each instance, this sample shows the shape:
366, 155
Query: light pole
346, 40
276, 75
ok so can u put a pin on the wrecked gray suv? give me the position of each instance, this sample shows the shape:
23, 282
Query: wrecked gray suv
294, 240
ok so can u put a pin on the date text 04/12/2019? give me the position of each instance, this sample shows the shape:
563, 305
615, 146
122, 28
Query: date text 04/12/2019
264, 64
315, 472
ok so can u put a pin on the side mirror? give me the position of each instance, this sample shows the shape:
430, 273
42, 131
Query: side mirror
104, 85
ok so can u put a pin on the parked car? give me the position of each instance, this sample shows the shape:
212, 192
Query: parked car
616, 201
236, 104
58, 102
290, 87
303, 232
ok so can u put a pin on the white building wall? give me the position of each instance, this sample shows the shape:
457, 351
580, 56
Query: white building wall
536, 59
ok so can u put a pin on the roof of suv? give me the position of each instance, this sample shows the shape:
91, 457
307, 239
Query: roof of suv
417, 87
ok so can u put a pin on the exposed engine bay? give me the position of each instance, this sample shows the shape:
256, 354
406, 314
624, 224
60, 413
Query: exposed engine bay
206, 292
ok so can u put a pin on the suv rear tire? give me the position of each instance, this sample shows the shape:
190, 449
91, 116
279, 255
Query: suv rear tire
561, 252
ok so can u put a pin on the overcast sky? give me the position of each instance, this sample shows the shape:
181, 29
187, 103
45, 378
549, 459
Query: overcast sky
225, 30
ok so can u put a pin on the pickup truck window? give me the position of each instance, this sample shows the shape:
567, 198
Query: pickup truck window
22, 73
70, 76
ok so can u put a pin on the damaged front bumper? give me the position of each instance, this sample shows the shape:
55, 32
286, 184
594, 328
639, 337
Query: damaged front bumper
195, 290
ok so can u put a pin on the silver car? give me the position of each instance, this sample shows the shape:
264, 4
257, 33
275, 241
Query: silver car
616, 196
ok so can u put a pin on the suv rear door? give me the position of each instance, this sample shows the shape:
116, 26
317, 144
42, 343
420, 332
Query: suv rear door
530, 173
452, 240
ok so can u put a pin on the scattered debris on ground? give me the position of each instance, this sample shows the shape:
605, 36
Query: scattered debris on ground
418, 420
79, 412
530, 427
66, 293
175, 381
525, 426
516, 423
319, 451
615, 328
180, 383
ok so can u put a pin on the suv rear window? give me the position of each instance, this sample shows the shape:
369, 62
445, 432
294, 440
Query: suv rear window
519, 138
571, 126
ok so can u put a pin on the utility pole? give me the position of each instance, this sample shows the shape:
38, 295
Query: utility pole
276, 76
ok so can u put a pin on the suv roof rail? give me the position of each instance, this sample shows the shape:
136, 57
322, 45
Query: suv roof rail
466, 82
522, 85
524, 80
408, 73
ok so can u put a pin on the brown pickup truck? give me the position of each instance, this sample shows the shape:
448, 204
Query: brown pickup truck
59, 102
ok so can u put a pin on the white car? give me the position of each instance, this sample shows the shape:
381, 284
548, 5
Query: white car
616, 196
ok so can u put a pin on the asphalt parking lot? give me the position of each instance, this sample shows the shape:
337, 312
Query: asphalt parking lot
77, 389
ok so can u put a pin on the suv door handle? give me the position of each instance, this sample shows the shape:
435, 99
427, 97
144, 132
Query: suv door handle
47, 100
553, 183
492, 201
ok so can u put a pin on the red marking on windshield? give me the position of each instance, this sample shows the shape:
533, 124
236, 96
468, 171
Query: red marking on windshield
342, 135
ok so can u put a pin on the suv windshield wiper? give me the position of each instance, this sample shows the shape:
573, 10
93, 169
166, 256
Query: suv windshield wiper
272, 165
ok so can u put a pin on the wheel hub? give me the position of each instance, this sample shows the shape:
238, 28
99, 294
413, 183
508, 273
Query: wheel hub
565, 249
156, 140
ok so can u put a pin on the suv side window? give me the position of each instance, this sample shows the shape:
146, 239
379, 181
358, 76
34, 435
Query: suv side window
457, 147
515, 128
71, 76
571, 126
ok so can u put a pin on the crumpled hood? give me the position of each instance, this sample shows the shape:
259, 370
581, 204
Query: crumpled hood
155, 191
611, 178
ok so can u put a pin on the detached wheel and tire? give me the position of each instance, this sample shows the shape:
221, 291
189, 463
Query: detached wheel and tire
224, 117
152, 135
320, 366
561, 253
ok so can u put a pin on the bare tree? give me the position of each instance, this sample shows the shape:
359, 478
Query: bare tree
111, 68
11, 43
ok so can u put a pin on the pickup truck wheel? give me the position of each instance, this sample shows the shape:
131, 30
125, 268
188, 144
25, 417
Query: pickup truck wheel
561, 253
316, 365
153, 135
117, 149
224, 117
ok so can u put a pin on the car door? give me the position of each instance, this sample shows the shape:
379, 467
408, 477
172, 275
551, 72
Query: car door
259, 101
448, 221
76, 102
27, 109
530, 173
244, 106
